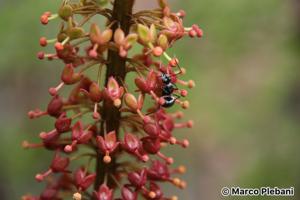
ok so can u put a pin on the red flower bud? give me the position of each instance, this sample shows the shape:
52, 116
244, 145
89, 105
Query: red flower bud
44, 19
151, 145
55, 106
43, 41
199, 32
41, 55
59, 46
192, 33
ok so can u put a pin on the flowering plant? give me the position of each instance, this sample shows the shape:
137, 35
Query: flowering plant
102, 124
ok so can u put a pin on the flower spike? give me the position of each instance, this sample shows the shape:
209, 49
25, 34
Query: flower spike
119, 120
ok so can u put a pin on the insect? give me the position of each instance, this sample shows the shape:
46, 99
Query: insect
168, 88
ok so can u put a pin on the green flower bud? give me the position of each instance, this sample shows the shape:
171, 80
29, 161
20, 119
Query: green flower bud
65, 12
75, 33
153, 34
131, 38
144, 34
131, 101
163, 41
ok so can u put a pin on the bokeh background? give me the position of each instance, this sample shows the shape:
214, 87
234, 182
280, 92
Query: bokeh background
246, 104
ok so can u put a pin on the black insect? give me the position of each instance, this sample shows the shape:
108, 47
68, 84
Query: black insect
170, 100
168, 88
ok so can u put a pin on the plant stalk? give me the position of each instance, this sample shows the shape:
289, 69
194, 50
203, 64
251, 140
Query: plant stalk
116, 67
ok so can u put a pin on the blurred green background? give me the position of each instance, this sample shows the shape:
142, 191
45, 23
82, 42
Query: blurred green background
246, 104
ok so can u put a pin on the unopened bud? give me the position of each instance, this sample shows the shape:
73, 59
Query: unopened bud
59, 46
25, 144
182, 184
157, 51
39, 177
68, 148
152, 194
185, 105
144, 33
163, 41
185, 143
131, 101
191, 84
119, 36
106, 159
41, 55
183, 93
43, 41
77, 196
65, 12
117, 103
190, 123
181, 169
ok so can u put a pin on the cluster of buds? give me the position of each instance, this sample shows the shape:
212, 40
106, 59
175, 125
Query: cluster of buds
102, 124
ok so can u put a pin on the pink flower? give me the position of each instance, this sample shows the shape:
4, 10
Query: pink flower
114, 92
148, 84
59, 164
158, 171
79, 136
138, 179
133, 145
103, 193
62, 123
83, 180
107, 145
68, 75
128, 194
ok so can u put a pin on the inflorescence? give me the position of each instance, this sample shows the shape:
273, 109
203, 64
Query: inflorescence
124, 124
